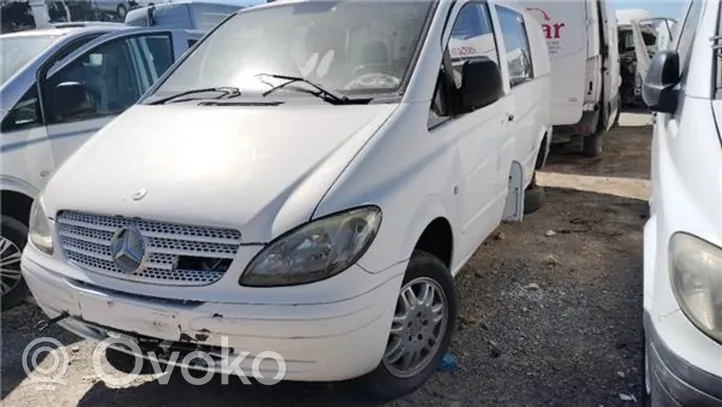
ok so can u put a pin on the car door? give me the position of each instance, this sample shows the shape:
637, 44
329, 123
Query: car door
116, 70
524, 93
478, 136
664, 37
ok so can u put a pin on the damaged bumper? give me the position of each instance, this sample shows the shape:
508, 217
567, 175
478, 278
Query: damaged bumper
319, 342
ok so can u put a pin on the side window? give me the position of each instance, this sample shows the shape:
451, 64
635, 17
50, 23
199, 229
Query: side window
516, 42
686, 35
111, 78
472, 39
26, 113
159, 51
192, 42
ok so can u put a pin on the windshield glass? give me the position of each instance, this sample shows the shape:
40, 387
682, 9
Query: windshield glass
345, 46
16, 51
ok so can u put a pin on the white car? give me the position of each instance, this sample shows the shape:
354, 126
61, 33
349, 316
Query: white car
683, 237
307, 180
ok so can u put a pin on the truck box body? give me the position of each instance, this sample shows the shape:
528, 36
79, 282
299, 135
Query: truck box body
564, 25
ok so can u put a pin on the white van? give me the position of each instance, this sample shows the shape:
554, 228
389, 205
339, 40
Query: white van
583, 44
307, 180
683, 238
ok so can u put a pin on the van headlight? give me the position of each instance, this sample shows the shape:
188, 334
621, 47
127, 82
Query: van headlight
314, 251
696, 268
40, 233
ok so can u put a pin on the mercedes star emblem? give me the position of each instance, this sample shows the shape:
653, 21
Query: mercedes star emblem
127, 247
139, 194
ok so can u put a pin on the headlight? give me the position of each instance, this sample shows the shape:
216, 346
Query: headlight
696, 268
315, 251
40, 233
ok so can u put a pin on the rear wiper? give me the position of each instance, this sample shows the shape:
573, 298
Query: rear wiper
323, 93
224, 91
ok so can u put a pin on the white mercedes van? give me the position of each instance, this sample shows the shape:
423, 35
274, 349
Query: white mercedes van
683, 236
307, 180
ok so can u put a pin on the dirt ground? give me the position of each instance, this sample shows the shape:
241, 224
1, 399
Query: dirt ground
550, 315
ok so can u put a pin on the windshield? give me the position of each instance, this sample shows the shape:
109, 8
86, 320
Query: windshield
355, 46
16, 51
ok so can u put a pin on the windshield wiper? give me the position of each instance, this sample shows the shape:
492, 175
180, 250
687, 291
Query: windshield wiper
225, 91
323, 93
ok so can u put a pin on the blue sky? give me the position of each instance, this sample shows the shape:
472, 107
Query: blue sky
659, 8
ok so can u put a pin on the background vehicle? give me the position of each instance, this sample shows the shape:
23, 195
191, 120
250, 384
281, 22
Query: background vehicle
655, 32
682, 238
192, 15
328, 167
38, 68
582, 40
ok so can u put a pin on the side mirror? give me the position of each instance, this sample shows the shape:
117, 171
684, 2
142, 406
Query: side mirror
660, 91
481, 84
71, 100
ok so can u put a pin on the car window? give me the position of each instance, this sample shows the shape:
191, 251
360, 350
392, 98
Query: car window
350, 47
516, 42
25, 113
16, 51
472, 37
115, 74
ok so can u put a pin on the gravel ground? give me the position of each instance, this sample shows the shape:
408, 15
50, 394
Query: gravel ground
550, 310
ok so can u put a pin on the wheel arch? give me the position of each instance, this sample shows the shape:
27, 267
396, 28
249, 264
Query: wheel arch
16, 198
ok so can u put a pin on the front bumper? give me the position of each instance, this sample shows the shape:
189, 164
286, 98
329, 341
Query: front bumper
675, 381
319, 342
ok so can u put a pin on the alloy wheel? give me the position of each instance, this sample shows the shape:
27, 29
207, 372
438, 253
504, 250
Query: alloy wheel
10, 275
417, 329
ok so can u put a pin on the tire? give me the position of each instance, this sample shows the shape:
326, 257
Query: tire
592, 145
125, 363
386, 381
13, 236
619, 113
533, 199
645, 399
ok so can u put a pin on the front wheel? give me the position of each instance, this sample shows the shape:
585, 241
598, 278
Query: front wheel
13, 235
421, 331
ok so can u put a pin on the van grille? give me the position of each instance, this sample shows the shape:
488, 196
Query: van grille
175, 254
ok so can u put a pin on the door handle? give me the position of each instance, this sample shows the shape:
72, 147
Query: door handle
510, 117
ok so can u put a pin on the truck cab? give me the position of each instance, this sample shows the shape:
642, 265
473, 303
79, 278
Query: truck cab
58, 87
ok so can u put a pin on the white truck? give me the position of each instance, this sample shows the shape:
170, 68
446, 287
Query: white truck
583, 45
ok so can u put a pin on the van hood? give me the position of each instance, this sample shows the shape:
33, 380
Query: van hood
261, 170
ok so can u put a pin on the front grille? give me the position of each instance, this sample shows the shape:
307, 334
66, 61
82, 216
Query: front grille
175, 254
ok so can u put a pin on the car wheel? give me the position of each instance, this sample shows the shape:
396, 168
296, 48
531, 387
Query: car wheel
13, 235
533, 199
592, 145
421, 331
646, 397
